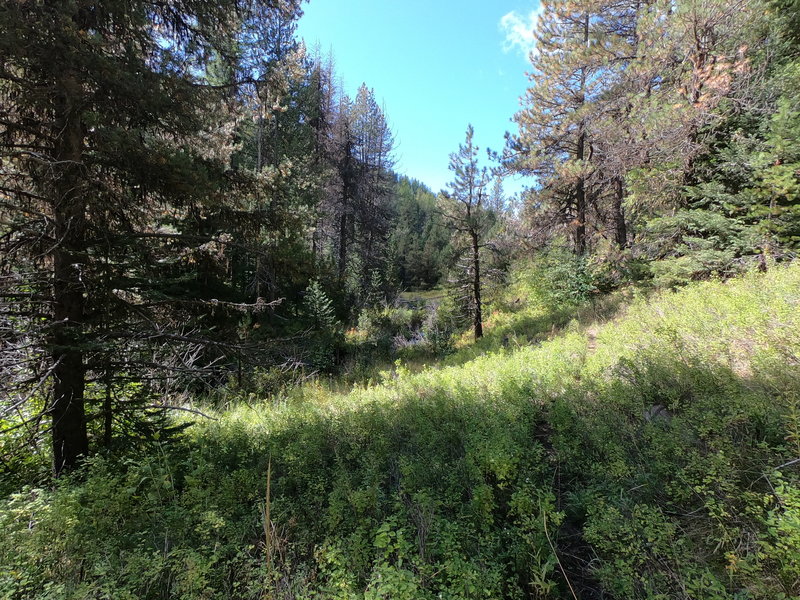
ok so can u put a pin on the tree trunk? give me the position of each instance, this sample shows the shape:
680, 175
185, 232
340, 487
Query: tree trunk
580, 203
108, 414
70, 441
580, 188
346, 173
620, 229
476, 285
343, 244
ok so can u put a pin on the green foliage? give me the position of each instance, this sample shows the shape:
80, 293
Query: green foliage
440, 326
388, 322
165, 230
745, 204
318, 309
696, 244
412, 332
783, 525
529, 310
636, 462
699, 176
777, 189
418, 239
566, 278
325, 332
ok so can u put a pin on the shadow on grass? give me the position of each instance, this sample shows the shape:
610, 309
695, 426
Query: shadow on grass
437, 488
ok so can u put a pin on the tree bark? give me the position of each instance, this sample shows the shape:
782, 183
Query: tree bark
620, 228
580, 188
580, 202
343, 244
476, 285
346, 173
70, 440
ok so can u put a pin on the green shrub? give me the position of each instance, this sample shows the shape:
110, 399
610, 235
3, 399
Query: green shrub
566, 278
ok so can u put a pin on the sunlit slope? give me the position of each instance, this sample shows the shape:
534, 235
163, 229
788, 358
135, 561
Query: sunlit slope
646, 457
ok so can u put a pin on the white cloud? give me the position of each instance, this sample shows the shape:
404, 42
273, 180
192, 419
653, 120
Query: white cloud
520, 30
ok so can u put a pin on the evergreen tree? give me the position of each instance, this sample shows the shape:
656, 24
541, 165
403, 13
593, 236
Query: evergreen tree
374, 143
358, 196
464, 210
325, 331
113, 140
628, 103
553, 142
418, 236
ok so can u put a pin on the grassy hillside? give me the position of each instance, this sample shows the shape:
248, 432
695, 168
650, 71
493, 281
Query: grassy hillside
653, 455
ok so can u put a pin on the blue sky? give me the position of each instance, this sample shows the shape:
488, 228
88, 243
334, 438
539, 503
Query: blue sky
437, 65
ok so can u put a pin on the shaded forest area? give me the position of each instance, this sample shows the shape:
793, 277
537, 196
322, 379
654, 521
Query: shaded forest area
242, 357
187, 195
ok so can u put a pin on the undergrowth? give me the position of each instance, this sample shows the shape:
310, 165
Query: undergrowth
652, 456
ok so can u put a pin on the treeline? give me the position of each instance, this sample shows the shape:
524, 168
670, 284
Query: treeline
664, 137
185, 194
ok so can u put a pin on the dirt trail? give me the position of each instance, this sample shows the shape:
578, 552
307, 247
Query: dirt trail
591, 334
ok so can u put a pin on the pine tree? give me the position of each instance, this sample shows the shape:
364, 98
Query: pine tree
464, 210
113, 140
325, 332
418, 237
372, 149
554, 141
623, 97
358, 196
